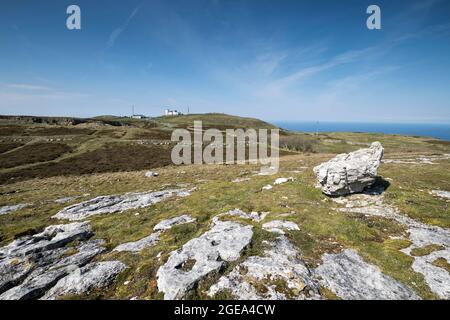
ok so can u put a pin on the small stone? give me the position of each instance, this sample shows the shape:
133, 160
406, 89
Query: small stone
150, 174
441, 194
64, 200
12, 208
283, 180
255, 216
277, 226
169, 223
139, 245
238, 180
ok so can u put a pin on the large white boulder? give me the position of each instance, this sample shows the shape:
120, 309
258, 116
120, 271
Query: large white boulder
350, 172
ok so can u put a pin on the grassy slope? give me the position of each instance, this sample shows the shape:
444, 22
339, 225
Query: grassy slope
213, 120
321, 228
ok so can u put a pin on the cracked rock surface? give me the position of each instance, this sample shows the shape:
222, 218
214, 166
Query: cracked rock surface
137, 246
441, 194
153, 238
350, 277
117, 203
255, 216
278, 226
257, 277
81, 280
169, 223
420, 235
12, 208
202, 256
32, 265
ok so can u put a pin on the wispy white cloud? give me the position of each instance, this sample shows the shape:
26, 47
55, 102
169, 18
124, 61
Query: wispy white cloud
25, 86
339, 89
118, 31
24, 91
277, 87
424, 4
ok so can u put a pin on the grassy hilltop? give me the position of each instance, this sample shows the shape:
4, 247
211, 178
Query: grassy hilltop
41, 161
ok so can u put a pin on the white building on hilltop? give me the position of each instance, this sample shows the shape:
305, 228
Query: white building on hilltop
169, 112
138, 116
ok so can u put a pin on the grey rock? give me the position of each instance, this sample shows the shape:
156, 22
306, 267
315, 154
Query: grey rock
277, 226
201, 257
34, 287
117, 203
281, 262
139, 245
350, 173
438, 279
441, 194
31, 265
52, 237
12, 208
419, 160
85, 279
85, 252
420, 235
350, 278
44, 269
66, 199
169, 223
239, 180
255, 216
153, 238
150, 174
282, 180
12, 272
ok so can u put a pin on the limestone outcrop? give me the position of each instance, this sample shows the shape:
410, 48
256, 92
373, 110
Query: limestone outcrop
32, 265
350, 172
256, 278
350, 277
201, 257
117, 203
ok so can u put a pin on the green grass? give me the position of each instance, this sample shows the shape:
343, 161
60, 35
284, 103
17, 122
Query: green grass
212, 120
88, 171
424, 251
442, 263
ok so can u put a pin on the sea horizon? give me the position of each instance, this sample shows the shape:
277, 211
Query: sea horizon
432, 130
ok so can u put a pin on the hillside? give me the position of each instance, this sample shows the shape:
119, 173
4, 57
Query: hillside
213, 120
385, 244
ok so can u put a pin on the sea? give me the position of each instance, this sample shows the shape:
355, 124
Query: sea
440, 131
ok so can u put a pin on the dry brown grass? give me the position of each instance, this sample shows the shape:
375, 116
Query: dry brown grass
32, 153
109, 158
4, 147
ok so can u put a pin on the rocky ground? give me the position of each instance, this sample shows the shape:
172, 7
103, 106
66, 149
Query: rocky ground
208, 232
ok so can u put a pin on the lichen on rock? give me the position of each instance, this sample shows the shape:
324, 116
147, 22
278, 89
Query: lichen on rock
206, 254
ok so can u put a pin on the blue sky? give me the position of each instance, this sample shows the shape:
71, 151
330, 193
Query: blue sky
275, 60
